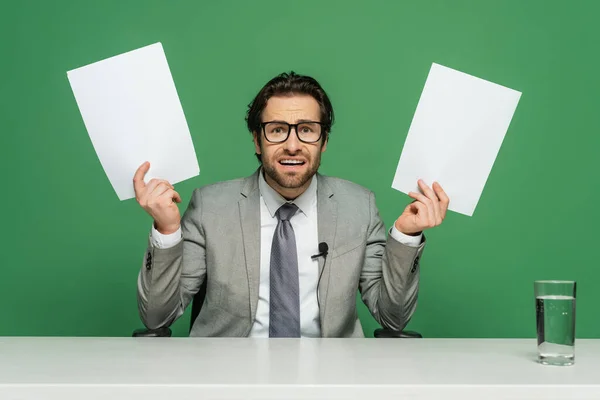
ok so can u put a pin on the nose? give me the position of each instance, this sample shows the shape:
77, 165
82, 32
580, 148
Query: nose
292, 144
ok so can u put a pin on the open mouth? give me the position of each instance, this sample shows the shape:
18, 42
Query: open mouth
291, 163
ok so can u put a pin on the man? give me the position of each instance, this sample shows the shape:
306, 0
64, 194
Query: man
284, 250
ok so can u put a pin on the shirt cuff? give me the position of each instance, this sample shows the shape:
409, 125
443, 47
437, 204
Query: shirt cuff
161, 241
407, 240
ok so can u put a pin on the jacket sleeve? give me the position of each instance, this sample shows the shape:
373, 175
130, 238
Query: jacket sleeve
169, 278
389, 281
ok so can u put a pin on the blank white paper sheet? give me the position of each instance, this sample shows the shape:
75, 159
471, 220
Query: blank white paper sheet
132, 114
455, 136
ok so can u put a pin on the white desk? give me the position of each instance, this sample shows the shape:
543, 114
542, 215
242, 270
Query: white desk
182, 368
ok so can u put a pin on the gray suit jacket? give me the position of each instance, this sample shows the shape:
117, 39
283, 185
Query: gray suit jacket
221, 243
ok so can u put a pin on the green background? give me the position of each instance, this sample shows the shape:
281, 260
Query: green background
71, 250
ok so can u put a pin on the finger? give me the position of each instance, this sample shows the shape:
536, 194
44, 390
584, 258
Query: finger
154, 183
418, 210
429, 216
167, 197
444, 199
176, 197
161, 188
138, 177
431, 194
172, 195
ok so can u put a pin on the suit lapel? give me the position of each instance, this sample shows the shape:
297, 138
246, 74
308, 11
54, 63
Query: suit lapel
249, 205
327, 223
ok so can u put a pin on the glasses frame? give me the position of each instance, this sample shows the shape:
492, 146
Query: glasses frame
290, 126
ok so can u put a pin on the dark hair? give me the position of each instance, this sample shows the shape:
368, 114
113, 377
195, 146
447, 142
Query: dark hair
287, 84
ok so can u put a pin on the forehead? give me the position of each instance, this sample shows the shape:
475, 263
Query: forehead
292, 108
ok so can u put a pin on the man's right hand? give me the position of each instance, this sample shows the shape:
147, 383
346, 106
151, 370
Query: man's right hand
158, 198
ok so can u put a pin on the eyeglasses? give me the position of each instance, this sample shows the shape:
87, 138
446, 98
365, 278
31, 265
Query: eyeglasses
279, 131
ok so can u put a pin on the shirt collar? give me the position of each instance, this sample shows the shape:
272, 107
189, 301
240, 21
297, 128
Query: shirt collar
274, 200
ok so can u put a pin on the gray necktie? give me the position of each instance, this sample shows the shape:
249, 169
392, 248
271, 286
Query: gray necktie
284, 300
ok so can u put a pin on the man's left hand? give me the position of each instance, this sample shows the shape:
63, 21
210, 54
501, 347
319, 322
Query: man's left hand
427, 211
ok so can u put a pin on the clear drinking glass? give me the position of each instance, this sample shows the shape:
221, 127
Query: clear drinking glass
555, 317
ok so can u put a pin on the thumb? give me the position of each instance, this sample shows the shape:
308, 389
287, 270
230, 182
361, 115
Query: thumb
138, 178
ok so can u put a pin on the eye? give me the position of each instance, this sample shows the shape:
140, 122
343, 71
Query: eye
276, 129
306, 129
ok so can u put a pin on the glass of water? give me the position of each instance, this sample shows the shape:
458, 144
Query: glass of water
555, 316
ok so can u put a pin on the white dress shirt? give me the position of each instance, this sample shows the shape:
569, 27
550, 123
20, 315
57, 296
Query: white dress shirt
306, 232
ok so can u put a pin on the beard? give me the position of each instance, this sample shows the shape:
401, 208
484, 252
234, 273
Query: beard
292, 180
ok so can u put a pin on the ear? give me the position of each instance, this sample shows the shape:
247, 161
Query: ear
256, 143
324, 147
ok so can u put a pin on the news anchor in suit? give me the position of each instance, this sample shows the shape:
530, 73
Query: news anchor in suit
283, 250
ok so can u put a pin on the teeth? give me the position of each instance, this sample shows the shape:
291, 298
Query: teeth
293, 162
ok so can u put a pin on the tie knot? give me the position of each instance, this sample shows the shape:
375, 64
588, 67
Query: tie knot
286, 211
